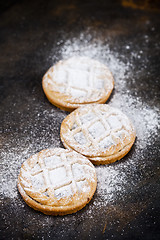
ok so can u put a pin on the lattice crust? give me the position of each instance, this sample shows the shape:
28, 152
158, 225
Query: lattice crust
76, 81
56, 180
98, 131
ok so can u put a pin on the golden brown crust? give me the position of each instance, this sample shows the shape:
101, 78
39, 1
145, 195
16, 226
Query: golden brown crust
121, 137
51, 204
64, 99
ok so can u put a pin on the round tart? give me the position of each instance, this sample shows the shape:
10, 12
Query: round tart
100, 132
57, 181
79, 80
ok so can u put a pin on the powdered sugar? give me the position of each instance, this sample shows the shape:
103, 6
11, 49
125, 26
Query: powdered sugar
96, 49
57, 175
96, 130
81, 78
113, 180
145, 118
33, 138
65, 191
56, 180
11, 162
102, 132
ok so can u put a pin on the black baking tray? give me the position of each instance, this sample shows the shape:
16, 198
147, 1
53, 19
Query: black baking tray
125, 35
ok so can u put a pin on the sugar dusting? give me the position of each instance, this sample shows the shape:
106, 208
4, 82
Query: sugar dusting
81, 78
96, 50
112, 179
21, 146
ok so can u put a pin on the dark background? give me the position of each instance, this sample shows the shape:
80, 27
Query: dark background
33, 36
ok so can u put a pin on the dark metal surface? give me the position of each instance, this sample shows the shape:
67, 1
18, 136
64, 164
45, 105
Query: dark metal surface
124, 35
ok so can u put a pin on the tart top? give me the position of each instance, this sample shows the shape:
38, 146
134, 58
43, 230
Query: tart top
97, 130
57, 178
78, 80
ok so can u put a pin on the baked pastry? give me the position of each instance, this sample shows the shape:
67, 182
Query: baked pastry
79, 80
101, 133
57, 181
